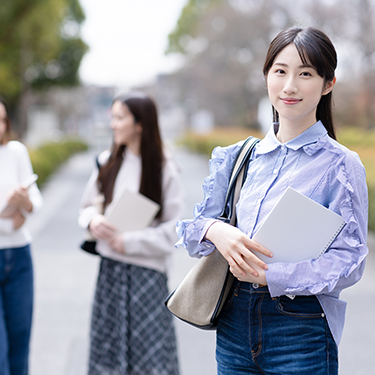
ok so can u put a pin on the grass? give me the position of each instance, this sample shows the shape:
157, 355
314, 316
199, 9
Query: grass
363, 142
205, 143
48, 157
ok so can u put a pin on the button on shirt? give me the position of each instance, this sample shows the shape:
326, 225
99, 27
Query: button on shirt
321, 169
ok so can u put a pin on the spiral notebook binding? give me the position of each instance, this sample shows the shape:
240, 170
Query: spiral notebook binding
339, 229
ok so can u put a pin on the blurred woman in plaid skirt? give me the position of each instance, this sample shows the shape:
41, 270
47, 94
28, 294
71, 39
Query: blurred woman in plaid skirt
132, 332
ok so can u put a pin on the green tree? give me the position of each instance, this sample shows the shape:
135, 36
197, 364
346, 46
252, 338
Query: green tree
40, 46
224, 43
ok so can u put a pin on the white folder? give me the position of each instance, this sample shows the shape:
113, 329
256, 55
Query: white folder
131, 212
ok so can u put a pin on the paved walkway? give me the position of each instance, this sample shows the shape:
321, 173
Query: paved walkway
65, 280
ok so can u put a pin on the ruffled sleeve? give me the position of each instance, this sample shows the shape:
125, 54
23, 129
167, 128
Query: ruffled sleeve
343, 264
192, 232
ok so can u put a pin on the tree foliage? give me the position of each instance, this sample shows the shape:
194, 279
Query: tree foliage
225, 41
40, 45
187, 25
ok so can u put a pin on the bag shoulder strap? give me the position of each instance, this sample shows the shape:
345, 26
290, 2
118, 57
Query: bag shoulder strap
236, 180
97, 162
241, 158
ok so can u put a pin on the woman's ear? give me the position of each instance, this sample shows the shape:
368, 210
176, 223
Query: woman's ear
138, 127
329, 86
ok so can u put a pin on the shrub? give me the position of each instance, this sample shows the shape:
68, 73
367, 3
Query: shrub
205, 143
49, 156
371, 209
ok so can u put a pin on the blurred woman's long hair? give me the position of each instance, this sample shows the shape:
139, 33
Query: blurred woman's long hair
144, 112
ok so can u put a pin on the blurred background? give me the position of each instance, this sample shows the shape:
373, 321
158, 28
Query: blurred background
63, 61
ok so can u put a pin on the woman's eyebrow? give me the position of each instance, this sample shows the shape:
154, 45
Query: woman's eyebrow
280, 64
286, 65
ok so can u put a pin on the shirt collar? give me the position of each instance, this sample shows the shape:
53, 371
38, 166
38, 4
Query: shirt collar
311, 140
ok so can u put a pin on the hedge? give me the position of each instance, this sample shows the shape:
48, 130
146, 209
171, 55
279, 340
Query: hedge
49, 156
371, 212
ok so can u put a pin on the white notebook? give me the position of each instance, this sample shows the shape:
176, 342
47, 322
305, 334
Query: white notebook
6, 210
297, 229
132, 211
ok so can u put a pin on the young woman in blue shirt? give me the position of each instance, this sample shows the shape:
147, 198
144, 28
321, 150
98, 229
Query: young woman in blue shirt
261, 330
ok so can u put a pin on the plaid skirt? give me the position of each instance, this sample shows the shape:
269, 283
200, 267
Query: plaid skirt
132, 332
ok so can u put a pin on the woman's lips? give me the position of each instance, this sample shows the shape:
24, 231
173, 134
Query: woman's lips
290, 101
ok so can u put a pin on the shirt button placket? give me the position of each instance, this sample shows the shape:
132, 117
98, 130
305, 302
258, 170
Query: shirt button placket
280, 160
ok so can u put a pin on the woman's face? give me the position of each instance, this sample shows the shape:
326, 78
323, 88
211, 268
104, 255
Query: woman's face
295, 88
125, 130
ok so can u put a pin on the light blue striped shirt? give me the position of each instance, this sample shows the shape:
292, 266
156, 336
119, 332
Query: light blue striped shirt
321, 169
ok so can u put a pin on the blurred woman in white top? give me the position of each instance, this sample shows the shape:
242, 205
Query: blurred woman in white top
16, 272
131, 330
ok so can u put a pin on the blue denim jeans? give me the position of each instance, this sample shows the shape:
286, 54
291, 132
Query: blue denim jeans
257, 334
16, 299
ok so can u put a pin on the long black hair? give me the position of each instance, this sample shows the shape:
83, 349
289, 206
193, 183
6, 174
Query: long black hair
316, 49
144, 111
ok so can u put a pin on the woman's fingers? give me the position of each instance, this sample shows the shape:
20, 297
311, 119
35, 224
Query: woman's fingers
250, 257
260, 278
101, 228
117, 244
244, 261
244, 257
20, 198
253, 245
237, 248
105, 232
18, 220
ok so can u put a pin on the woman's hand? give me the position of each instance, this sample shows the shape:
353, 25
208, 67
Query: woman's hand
101, 228
250, 278
236, 247
18, 220
20, 198
117, 244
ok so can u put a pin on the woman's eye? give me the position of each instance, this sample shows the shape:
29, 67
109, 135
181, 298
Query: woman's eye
279, 71
306, 74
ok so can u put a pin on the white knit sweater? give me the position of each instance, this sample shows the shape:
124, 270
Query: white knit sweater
15, 168
152, 246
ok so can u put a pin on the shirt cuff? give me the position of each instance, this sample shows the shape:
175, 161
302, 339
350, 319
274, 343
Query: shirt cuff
276, 279
207, 247
86, 216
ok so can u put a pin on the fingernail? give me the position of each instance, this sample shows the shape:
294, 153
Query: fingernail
255, 274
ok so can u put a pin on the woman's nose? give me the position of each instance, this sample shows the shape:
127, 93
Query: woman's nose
290, 86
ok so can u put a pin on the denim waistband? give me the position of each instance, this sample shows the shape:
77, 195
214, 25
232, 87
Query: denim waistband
251, 287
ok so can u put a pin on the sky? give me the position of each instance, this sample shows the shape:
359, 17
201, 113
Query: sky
127, 40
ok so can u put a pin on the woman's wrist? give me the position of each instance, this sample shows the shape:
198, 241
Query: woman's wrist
212, 231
